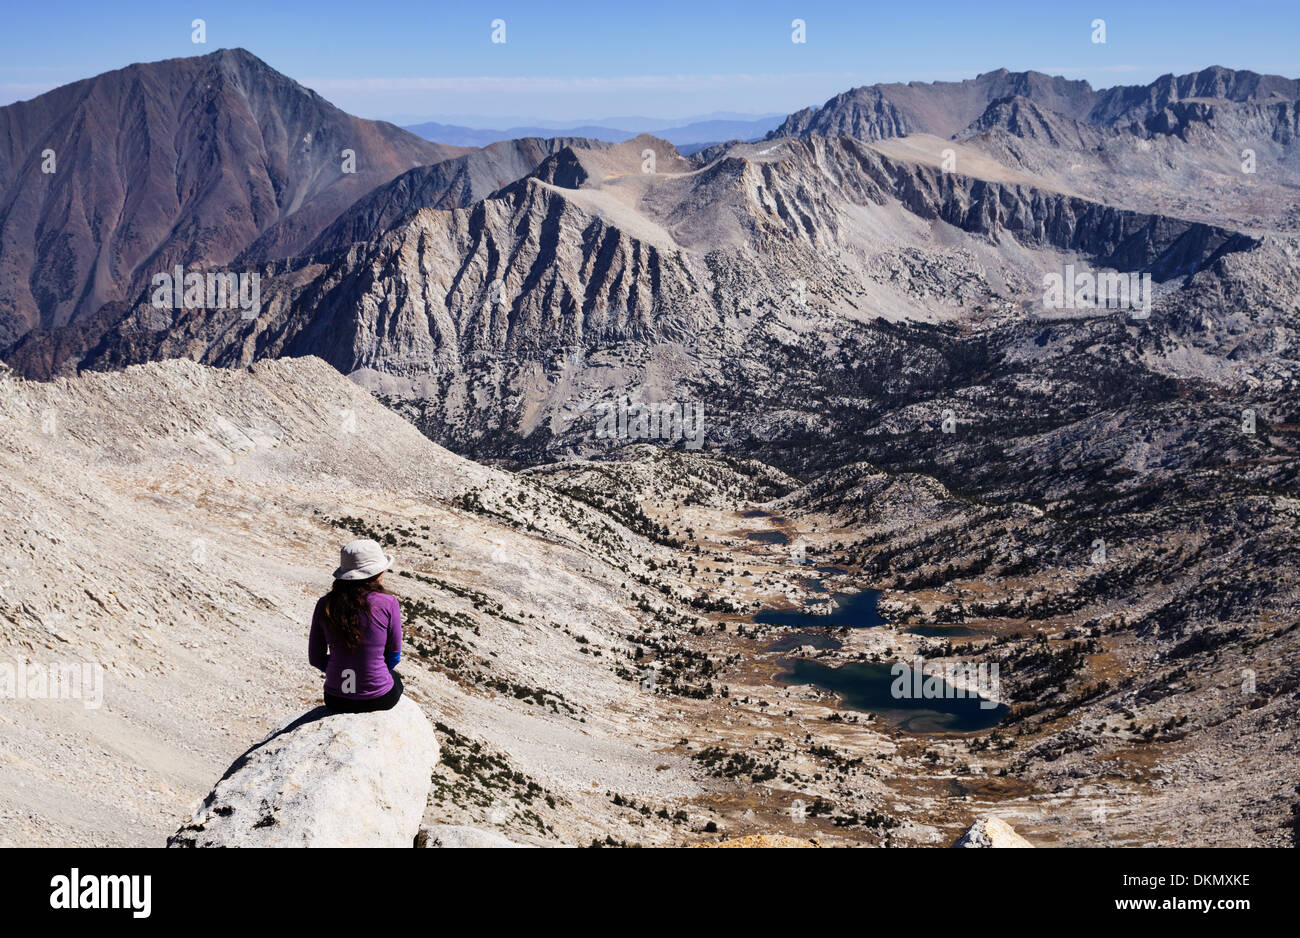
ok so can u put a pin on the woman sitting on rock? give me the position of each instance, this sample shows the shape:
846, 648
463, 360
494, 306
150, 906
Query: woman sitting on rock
356, 633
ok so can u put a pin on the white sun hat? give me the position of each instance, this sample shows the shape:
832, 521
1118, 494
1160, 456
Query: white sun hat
360, 560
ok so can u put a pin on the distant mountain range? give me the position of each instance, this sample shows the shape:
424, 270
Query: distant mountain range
219, 160
682, 136
587, 247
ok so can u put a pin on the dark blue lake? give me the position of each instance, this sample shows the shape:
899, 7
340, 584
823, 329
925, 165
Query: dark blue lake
871, 687
855, 610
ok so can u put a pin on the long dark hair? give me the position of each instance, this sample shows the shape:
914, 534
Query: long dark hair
345, 603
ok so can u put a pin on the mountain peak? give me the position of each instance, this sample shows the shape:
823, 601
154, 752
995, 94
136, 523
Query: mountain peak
192, 159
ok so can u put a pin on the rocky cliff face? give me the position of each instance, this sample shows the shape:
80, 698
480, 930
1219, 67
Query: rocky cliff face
515, 276
1022, 118
1130, 102
323, 780
944, 109
455, 183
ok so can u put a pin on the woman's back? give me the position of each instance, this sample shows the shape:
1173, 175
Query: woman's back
359, 673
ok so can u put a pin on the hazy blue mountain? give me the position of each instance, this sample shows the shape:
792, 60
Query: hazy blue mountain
617, 130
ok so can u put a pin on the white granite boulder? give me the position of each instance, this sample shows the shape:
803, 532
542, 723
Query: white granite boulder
324, 780
991, 832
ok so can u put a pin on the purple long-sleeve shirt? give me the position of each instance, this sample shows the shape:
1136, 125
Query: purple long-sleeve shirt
381, 634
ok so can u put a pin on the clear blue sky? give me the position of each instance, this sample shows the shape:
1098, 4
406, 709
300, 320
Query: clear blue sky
578, 60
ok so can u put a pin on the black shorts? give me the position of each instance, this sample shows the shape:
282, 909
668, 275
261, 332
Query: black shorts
351, 705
